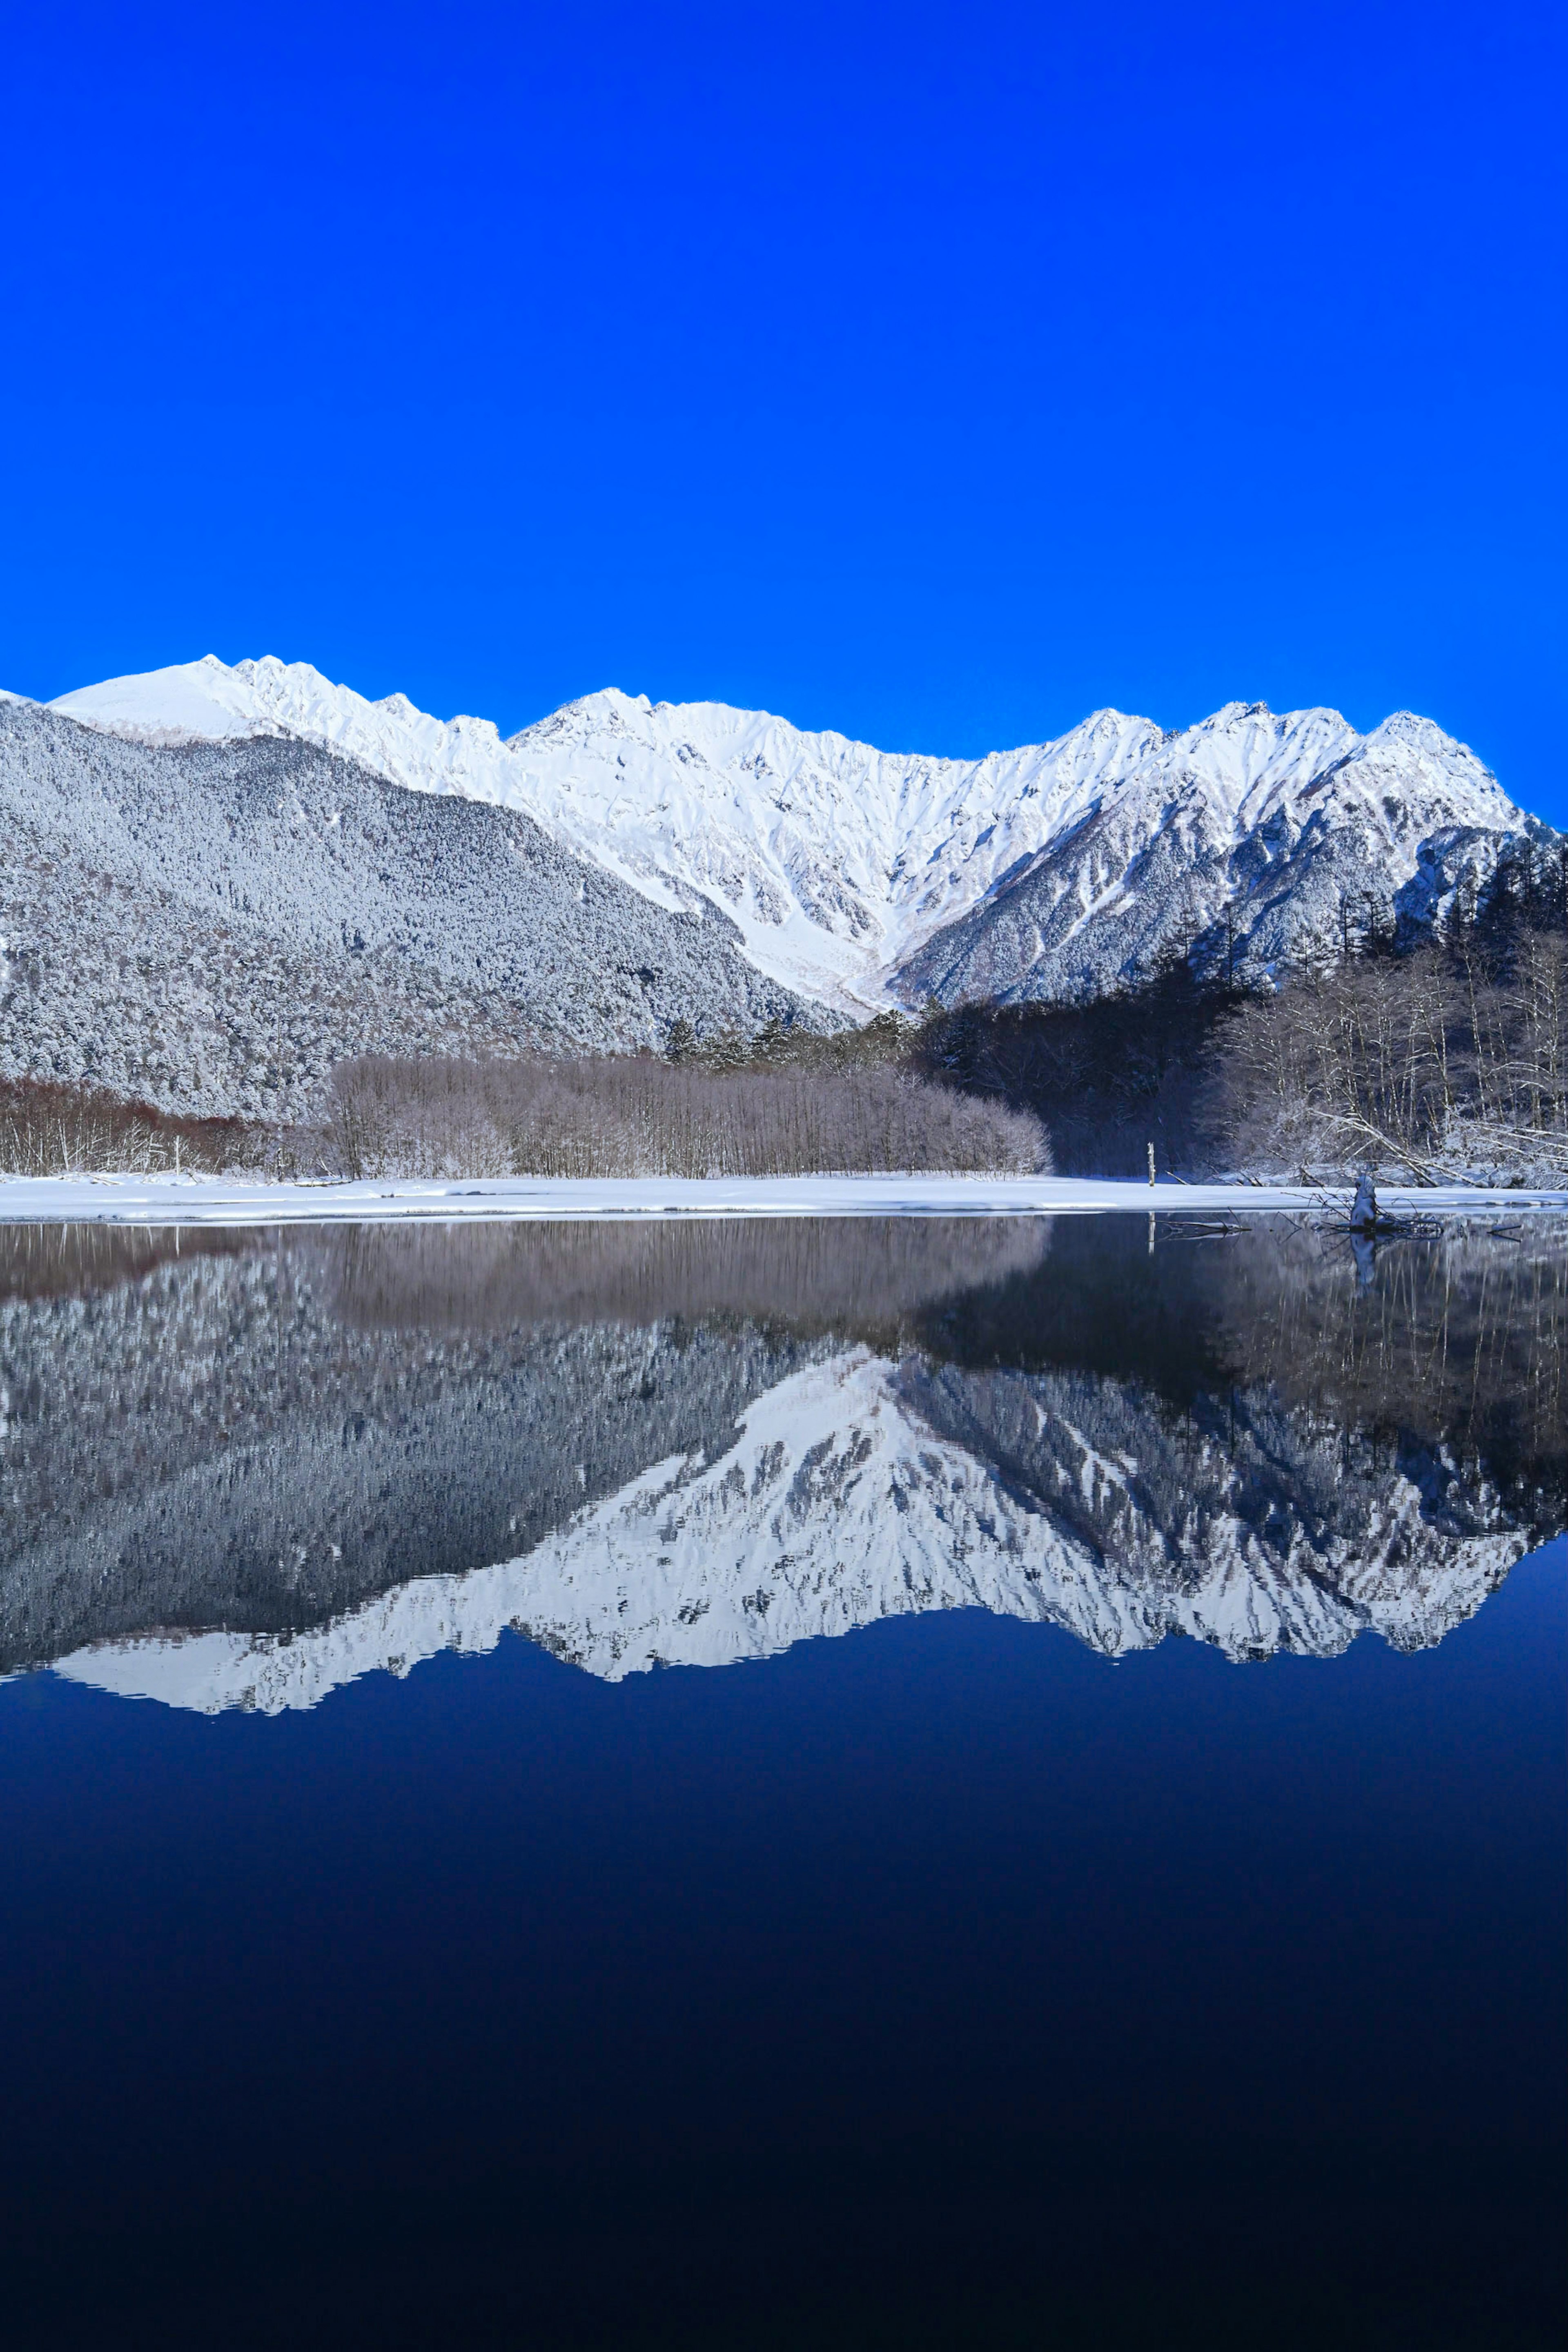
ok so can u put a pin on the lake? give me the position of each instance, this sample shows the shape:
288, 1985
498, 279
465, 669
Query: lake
893, 1782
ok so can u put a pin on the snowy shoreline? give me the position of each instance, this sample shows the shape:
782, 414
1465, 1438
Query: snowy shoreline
225, 1201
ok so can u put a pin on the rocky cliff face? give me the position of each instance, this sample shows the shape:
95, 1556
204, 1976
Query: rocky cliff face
1245, 843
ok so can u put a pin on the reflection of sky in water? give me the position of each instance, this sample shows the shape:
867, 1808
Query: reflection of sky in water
951, 1975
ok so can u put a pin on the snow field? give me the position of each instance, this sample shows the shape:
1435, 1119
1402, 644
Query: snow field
223, 1200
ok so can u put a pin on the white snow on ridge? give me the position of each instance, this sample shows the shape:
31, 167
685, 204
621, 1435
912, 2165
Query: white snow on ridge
836, 860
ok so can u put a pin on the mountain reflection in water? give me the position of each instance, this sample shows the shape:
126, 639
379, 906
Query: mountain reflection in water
242, 1469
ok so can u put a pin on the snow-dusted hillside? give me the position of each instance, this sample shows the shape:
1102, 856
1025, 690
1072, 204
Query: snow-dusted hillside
212, 926
856, 876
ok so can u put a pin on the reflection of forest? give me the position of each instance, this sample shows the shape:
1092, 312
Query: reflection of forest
57, 1261
861, 1278
1250, 1437
823, 1272
1457, 1339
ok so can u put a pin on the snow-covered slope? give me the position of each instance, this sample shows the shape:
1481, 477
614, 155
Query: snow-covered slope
857, 875
212, 926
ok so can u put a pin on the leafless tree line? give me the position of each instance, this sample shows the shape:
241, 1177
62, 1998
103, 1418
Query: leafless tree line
637, 1116
1444, 1061
66, 1130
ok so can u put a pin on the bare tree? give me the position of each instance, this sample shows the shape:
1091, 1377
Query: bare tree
638, 1116
68, 1130
1448, 1061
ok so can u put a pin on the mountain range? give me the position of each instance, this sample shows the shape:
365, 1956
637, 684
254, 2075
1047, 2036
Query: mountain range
271, 869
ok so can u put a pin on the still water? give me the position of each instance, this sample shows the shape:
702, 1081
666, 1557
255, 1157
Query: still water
875, 1784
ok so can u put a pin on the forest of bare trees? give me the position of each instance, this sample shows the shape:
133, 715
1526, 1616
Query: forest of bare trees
858, 1111
67, 1130
639, 1116
1438, 1061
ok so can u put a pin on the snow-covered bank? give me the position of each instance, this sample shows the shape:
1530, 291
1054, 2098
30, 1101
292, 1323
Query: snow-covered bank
227, 1200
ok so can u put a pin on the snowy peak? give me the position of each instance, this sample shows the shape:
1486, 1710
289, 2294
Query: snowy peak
854, 875
209, 701
189, 702
1249, 760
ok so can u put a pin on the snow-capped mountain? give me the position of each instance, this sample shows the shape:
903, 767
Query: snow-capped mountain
212, 926
857, 876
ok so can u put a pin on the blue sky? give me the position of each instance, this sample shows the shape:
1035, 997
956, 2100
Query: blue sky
934, 372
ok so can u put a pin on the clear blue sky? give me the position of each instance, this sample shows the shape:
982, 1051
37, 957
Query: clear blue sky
934, 372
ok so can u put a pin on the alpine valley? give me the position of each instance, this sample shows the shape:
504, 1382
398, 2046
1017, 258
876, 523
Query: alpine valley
218, 880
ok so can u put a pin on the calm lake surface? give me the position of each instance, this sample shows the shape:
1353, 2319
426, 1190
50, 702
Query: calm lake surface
877, 1783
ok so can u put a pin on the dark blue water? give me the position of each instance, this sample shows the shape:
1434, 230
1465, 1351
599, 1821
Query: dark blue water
947, 1983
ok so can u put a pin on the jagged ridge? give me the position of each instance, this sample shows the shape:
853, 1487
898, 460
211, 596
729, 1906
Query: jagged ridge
857, 876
